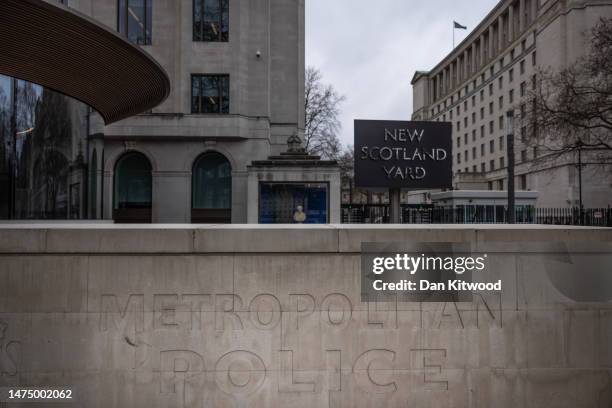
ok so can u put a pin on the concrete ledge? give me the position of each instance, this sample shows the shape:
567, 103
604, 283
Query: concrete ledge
84, 238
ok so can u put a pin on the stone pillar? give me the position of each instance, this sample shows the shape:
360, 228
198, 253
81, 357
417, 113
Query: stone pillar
521, 11
482, 57
443, 82
500, 34
492, 41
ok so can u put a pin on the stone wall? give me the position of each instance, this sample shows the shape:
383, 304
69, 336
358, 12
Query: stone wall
236, 316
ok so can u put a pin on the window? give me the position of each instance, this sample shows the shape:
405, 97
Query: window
511, 96
465, 121
132, 189
490, 108
511, 75
473, 135
500, 184
522, 88
523, 155
465, 138
481, 95
501, 102
211, 20
482, 131
473, 101
210, 94
502, 162
523, 182
501, 122
481, 113
474, 168
211, 189
491, 127
458, 126
465, 155
501, 143
491, 165
533, 58
458, 158
458, 110
134, 20
473, 117
490, 89
458, 142
491, 147
523, 45
465, 105
474, 154
501, 82
482, 149
482, 167
522, 67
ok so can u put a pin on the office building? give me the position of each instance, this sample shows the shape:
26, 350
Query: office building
491, 73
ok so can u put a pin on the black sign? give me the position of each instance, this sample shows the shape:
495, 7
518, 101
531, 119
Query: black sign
400, 154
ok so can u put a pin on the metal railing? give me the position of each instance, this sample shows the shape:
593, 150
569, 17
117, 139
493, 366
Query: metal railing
481, 214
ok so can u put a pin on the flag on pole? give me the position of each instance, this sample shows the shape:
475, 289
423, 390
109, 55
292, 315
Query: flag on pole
459, 26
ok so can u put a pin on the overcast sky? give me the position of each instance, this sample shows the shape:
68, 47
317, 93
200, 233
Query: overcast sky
369, 50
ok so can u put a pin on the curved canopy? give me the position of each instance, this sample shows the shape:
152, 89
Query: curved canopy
54, 46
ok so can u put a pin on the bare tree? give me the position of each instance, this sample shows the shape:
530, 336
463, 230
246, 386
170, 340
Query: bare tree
571, 109
322, 107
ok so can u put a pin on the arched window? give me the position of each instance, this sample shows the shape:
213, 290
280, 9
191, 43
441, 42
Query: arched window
211, 189
133, 186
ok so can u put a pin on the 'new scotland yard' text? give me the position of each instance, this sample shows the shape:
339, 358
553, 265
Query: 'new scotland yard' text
415, 155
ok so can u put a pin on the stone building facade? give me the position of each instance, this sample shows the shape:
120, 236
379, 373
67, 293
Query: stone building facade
237, 75
489, 74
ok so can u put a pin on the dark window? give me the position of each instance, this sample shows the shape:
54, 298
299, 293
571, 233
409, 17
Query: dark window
134, 20
210, 94
133, 187
211, 20
211, 189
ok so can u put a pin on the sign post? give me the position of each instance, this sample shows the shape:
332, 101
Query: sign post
402, 155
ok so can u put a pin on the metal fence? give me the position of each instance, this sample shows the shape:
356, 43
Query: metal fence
481, 214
